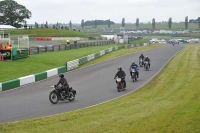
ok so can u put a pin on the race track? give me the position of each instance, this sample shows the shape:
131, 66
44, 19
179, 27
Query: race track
94, 85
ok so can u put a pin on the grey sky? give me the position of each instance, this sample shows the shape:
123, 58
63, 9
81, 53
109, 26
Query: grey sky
75, 10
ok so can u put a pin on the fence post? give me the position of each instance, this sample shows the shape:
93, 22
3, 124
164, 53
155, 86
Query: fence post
29, 51
46, 48
65, 46
53, 47
38, 48
59, 47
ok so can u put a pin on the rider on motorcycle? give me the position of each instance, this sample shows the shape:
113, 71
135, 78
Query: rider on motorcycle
121, 74
147, 59
142, 57
63, 82
134, 66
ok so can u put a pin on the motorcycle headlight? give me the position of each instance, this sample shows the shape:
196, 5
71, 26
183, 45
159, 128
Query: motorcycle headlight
118, 79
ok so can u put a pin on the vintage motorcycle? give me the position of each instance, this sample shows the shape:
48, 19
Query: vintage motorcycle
146, 65
134, 75
56, 96
120, 85
141, 63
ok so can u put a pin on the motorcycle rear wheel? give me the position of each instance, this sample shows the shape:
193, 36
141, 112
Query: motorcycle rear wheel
72, 97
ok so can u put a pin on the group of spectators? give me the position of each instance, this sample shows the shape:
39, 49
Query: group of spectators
7, 46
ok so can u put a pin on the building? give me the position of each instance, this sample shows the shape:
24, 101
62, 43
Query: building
6, 27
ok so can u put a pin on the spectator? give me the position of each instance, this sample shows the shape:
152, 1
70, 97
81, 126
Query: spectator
1, 46
67, 41
8, 46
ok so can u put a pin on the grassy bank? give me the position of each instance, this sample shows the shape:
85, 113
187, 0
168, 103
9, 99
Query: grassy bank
45, 61
170, 103
49, 32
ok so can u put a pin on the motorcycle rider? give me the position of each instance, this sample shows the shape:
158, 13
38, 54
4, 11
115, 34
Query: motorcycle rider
64, 83
135, 66
121, 74
147, 59
142, 57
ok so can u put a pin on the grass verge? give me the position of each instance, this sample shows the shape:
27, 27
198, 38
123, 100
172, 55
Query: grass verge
170, 103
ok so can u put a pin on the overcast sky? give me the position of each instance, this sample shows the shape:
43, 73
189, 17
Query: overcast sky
63, 11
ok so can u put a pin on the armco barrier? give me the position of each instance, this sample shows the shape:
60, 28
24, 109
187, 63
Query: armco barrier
49, 73
10, 84
40, 76
27, 79
62, 69
52, 72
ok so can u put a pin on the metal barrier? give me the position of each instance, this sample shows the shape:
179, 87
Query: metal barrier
50, 48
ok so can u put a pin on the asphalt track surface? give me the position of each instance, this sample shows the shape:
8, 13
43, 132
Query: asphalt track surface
94, 85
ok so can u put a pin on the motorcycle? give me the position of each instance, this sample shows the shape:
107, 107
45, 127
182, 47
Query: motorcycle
141, 62
146, 65
56, 96
120, 85
134, 75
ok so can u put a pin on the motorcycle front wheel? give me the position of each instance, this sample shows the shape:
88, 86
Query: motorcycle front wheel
53, 98
118, 87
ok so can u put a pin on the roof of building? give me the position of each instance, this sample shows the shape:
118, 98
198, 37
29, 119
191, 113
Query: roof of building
7, 27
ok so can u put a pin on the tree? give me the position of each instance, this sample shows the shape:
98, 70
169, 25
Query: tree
153, 23
186, 22
82, 23
170, 23
100, 22
46, 25
70, 24
12, 13
57, 26
108, 23
95, 23
137, 22
123, 22
199, 23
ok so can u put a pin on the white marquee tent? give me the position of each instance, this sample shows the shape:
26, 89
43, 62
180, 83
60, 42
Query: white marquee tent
6, 27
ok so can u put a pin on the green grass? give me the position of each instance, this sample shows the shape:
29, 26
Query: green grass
170, 103
47, 32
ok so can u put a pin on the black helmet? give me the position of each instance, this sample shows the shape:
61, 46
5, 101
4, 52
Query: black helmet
61, 75
120, 68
